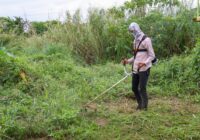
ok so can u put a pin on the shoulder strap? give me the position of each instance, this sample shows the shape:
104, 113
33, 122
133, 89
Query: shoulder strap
135, 52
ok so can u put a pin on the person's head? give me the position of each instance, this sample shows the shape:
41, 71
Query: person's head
134, 28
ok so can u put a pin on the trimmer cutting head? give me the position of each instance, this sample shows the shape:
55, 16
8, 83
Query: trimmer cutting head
92, 107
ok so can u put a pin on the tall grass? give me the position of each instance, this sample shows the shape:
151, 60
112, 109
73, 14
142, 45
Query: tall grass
179, 75
105, 37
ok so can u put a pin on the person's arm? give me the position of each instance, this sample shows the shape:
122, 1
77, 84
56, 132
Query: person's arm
150, 51
130, 60
127, 61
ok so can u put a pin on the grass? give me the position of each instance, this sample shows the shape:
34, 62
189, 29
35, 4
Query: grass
44, 87
167, 118
50, 105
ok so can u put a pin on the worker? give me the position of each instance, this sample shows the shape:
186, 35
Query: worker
141, 64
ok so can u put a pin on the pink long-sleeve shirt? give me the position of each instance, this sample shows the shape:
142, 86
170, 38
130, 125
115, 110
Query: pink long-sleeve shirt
143, 57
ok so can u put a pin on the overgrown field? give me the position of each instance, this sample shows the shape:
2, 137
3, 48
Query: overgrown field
49, 74
44, 89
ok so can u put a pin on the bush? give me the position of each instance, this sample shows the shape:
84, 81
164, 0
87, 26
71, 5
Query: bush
5, 39
9, 69
39, 27
178, 75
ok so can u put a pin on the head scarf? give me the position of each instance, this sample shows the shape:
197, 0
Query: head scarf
137, 32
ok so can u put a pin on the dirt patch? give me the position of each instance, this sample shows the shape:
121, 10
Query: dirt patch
174, 105
170, 104
39, 138
101, 122
91, 107
123, 105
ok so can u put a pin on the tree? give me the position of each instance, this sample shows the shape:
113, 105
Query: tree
39, 27
18, 25
8, 25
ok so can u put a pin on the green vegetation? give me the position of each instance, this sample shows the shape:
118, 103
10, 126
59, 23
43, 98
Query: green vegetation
47, 75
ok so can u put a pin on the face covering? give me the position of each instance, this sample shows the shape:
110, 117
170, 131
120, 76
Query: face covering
136, 31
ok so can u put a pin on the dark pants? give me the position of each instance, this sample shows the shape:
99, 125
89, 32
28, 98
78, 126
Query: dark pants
139, 83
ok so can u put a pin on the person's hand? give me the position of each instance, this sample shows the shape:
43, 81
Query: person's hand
124, 61
141, 65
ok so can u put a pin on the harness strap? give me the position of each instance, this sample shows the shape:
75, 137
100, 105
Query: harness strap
136, 50
141, 50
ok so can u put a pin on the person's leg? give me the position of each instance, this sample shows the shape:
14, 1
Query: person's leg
143, 79
135, 89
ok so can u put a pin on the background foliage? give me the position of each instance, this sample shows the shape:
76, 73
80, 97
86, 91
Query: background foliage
49, 70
